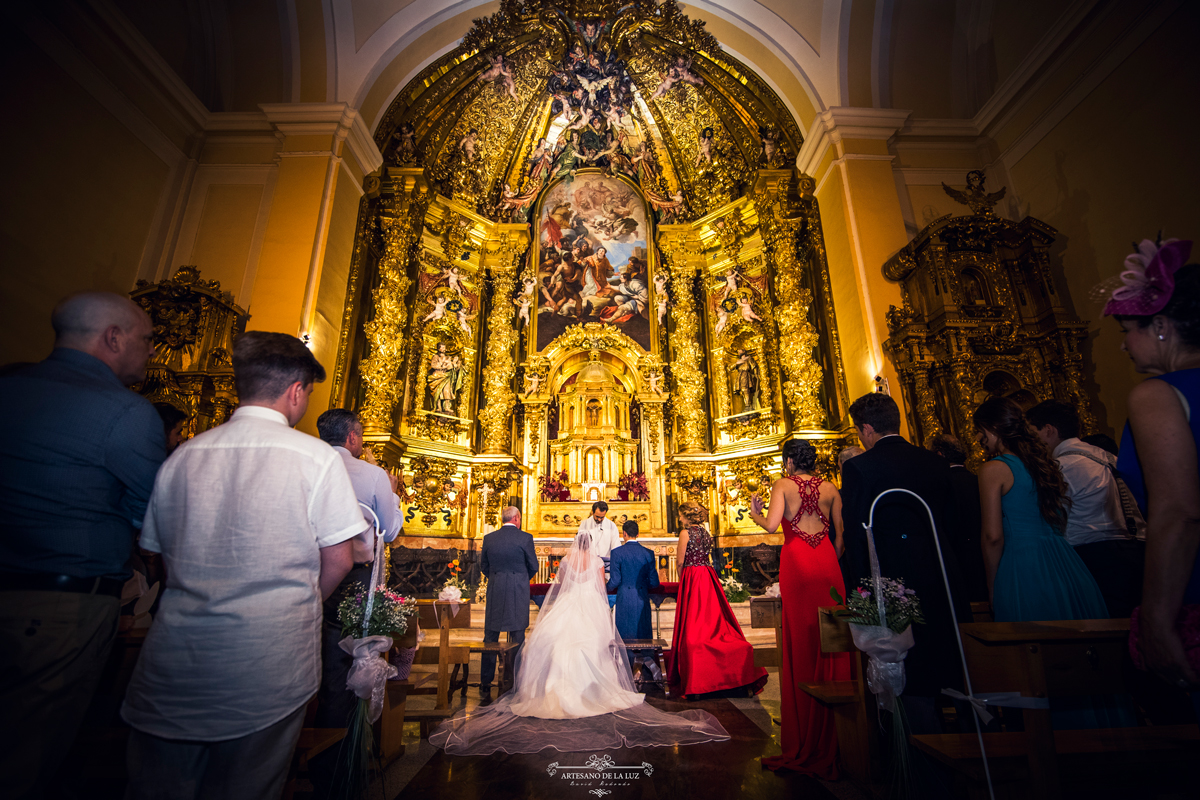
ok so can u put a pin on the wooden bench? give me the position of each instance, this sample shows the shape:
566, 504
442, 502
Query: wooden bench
1068, 658
657, 646
767, 612
852, 704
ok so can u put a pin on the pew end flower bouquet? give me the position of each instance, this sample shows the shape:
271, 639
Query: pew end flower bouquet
735, 590
370, 620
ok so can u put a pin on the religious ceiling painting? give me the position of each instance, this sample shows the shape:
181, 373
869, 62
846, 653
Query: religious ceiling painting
593, 263
596, 188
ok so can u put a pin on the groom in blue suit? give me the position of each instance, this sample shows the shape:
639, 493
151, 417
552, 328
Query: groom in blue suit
633, 572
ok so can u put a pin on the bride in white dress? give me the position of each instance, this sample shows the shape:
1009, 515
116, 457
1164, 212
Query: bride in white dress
574, 688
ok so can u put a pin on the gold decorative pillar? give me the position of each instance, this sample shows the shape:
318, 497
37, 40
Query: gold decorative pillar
496, 416
680, 249
785, 231
401, 227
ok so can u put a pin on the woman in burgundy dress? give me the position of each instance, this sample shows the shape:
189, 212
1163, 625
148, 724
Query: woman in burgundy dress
808, 566
709, 653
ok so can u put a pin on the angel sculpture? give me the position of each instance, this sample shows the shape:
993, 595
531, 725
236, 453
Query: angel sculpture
499, 72
453, 280
539, 160
439, 309
722, 318
678, 72
512, 202
663, 302
671, 207
405, 143
528, 284
655, 377
769, 137
975, 197
704, 147
467, 145
747, 309
732, 276
532, 381
523, 304
585, 116
464, 320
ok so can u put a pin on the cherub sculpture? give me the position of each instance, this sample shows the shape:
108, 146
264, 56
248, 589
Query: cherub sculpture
499, 72
722, 318
679, 72
745, 305
467, 145
439, 309
523, 304
704, 147
975, 196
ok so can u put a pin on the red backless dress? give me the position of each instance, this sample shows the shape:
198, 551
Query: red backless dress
808, 566
709, 653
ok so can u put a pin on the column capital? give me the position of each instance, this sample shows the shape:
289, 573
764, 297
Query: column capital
337, 120
834, 125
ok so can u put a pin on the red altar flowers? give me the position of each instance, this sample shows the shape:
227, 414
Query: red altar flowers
635, 485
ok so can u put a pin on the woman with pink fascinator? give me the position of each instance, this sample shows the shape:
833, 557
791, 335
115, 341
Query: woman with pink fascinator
1158, 307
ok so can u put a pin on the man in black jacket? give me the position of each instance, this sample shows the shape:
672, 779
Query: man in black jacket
964, 488
905, 545
509, 561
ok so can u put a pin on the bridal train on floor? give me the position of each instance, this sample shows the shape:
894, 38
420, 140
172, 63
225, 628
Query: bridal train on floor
574, 688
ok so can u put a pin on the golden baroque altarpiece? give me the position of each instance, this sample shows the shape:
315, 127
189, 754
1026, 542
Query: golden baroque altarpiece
981, 316
588, 253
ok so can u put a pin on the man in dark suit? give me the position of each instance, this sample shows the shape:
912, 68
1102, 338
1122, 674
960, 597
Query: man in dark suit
508, 560
964, 487
905, 545
633, 572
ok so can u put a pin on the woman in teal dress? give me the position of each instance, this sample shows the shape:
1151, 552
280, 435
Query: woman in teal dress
1032, 573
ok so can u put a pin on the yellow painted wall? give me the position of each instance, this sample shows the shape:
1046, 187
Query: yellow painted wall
222, 247
1121, 166
79, 196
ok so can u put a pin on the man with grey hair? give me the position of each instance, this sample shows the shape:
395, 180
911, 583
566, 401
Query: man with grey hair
509, 561
78, 455
254, 521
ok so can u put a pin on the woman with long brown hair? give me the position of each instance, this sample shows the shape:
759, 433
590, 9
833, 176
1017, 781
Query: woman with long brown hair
1032, 573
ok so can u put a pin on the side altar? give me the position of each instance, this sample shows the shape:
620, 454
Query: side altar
589, 286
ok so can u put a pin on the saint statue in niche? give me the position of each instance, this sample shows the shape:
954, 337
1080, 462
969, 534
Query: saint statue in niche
444, 380
744, 383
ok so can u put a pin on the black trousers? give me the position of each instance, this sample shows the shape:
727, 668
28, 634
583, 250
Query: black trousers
487, 662
1117, 566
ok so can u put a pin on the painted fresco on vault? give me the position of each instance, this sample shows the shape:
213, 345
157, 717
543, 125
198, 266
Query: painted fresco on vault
592, 258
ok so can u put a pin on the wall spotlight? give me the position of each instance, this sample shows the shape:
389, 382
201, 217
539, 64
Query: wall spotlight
881, 385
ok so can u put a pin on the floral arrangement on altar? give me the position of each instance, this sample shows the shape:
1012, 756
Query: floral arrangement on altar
635, 485
735, 590
901, 605
389, 612
554, 487
456, 587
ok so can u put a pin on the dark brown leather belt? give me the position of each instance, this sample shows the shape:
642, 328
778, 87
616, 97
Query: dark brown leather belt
45, 582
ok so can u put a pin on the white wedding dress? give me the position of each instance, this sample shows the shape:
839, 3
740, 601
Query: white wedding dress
574, 688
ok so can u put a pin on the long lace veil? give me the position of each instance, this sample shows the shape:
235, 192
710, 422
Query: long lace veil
574, 688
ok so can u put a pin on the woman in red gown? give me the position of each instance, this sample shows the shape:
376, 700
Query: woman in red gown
808, 566
709, 653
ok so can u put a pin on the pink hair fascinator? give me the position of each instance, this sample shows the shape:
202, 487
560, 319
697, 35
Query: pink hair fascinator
1149, 278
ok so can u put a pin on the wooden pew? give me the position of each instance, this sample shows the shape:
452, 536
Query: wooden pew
1069, 658
852, 704
767, 612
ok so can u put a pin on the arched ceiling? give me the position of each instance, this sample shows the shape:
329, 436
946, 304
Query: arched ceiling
937, 58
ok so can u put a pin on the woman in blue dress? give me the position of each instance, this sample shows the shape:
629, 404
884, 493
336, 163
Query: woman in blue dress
1158, 308
1032, 573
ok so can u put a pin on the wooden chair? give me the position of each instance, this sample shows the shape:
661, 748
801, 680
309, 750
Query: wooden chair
1069, 658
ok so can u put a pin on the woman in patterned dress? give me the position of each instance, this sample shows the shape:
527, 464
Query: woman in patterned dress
709, 653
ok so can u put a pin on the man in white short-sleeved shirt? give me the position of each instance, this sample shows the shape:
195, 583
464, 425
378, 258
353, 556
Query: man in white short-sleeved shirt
254, 521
